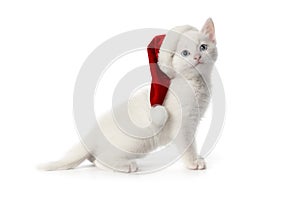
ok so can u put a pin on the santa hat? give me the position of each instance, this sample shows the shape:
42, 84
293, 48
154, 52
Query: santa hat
167, 44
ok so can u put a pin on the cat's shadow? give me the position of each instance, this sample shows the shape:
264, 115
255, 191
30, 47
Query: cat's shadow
90, 170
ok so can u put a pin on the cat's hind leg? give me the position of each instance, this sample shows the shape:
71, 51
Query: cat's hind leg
72, 159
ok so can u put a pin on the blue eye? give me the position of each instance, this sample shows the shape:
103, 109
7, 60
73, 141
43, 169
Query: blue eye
185, 53
203, 47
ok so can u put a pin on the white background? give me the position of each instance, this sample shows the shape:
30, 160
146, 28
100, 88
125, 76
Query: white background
42, 47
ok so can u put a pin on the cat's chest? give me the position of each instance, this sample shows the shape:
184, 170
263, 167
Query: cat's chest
187, 92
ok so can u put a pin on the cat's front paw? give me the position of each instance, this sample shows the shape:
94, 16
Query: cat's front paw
124, 166
129, 167
198, 164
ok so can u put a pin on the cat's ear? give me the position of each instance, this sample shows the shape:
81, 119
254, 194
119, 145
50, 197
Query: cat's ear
209, 30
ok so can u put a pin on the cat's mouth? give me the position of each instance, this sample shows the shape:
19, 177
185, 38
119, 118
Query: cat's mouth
198, 62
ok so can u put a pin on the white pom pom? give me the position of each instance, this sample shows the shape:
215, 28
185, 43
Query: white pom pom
159, 115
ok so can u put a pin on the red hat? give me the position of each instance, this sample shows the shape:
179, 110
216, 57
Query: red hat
160, 81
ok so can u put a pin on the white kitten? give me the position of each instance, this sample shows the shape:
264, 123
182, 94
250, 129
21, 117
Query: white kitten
189, 67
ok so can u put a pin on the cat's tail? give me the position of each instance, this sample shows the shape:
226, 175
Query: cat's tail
76, 155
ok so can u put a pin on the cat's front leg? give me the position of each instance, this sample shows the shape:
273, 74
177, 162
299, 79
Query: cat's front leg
192, 160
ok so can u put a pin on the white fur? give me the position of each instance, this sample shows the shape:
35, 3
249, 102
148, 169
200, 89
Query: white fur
173, 116
72, 159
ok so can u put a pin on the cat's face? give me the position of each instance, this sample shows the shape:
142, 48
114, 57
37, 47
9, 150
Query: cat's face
196, 48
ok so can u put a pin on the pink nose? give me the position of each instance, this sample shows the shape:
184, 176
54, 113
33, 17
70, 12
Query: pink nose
197, 57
